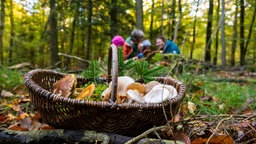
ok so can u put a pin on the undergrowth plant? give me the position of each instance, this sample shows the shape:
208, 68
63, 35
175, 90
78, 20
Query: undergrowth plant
9, 79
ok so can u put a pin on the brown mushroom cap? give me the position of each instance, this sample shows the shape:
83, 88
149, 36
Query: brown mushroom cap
137, 87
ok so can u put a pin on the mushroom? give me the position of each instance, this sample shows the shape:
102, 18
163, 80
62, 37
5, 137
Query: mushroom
173, 92
149, 86
122, 84
88, 91
105, 94
134, 96
157, 95
140, 88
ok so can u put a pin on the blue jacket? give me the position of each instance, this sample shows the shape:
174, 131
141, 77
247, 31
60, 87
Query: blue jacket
171, 47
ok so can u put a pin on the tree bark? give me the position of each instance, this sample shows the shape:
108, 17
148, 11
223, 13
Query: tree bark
113, 18
139, 14
194, 31
173, 18
53, 34
178, 23
12, 33
234, 38
223, 41
2, 24
250, 30
215, 59
162, 18
242, 49
151, 35
89, 31
207, 57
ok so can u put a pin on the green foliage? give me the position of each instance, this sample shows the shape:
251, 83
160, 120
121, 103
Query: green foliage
93, 72
219, 97
142, 71
10, 79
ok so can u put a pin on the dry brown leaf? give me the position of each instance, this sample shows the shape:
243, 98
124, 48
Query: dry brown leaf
220, 139
23, 115
65, 86
3, 118
88, 91
26, 123
46, 127
191, 107
17, 127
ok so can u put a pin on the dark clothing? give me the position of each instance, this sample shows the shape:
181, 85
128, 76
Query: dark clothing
171, 47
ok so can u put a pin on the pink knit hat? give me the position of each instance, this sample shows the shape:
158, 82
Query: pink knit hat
118, 40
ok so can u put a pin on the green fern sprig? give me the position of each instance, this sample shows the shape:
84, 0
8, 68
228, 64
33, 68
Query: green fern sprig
145, 73
93, 72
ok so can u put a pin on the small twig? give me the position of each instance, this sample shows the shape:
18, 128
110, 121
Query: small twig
217, 128
74, 57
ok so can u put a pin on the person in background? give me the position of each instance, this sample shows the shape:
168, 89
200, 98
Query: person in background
166, 46
132, 48
146, 44
118, 40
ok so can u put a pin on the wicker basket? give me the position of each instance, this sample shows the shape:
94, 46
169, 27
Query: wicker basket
125, 119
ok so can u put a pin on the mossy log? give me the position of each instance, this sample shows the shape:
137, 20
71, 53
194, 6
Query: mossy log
59, 136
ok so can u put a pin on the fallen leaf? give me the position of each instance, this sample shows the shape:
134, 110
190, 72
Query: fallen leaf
5, 94
3, 118
26, 123
46, 127
65, 86
191, 107
219, 139
16, 127
23, 115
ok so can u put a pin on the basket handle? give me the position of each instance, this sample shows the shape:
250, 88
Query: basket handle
113, 70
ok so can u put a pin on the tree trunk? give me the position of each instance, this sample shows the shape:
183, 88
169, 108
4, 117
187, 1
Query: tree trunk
89, 30
194, 31
215, 59
139, 14
178, 23
113, 18
242, 49
72, 36
53, 34
250, 30
2, 18
234, 38
151, 36
223, 42
162, 18
12, 33
173, 18
207, 57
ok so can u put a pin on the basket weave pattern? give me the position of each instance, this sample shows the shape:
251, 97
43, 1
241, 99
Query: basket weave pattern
126, 119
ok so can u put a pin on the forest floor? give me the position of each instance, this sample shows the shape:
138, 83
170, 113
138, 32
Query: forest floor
18, 114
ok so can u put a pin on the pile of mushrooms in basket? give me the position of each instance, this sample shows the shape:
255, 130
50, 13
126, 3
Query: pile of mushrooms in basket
128, 90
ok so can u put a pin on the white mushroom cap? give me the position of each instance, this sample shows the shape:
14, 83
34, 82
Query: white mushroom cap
173, 92
104, 93
134, 95
122, 84
157, 95
149, 86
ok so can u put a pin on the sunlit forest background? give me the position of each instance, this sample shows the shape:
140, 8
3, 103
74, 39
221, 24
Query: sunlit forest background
40, 32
